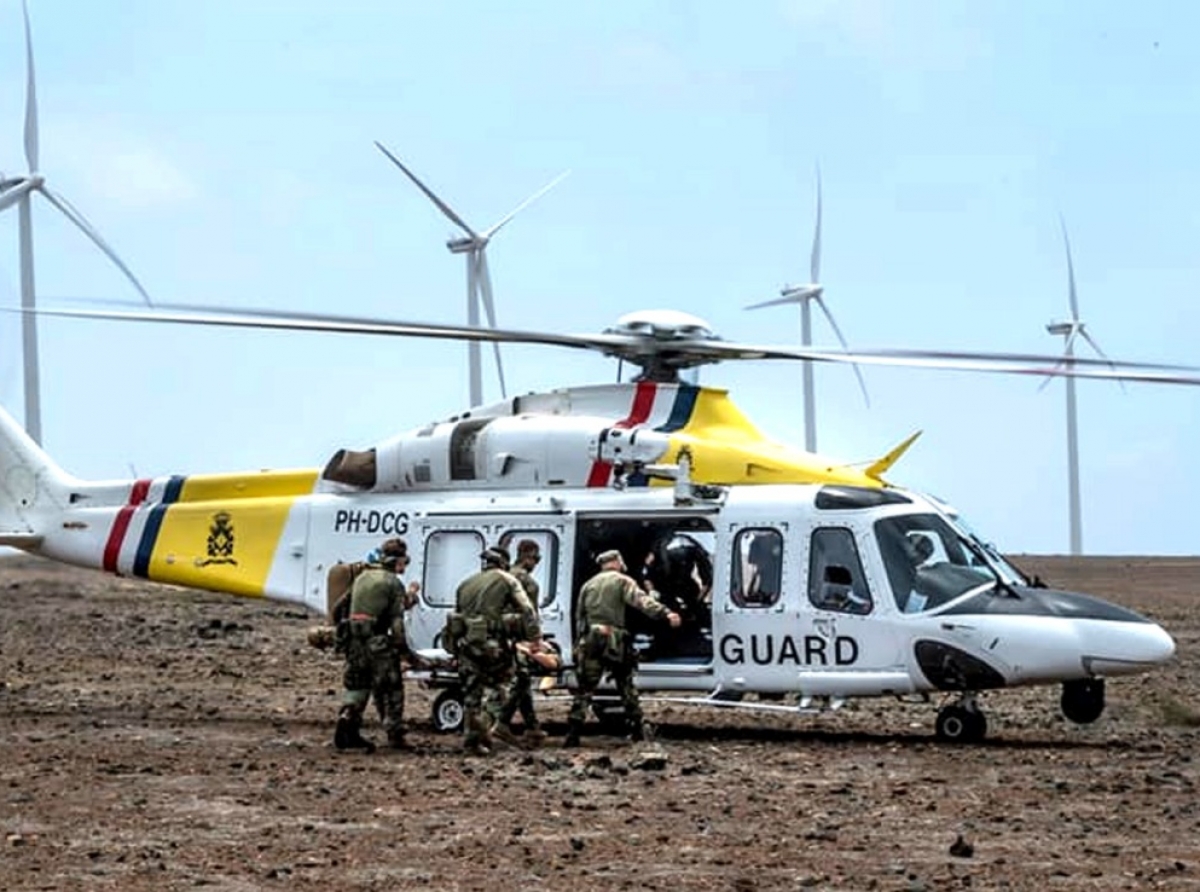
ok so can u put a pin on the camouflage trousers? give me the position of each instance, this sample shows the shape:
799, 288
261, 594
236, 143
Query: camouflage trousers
520, 695
592, 660
483, 684
373, 670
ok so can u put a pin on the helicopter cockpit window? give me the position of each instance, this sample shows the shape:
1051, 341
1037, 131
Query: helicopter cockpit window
544, 572
927, 564
757, 568
835, 575
450, 557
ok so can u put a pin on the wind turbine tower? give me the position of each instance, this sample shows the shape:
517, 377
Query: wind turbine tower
19, 191
479, 281
805, 295
1070, 330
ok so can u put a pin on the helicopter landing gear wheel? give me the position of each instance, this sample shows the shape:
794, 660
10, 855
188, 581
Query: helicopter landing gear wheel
448, 710
1083, 700
961, 722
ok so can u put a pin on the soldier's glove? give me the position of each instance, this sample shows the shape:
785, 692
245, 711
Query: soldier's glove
321, 637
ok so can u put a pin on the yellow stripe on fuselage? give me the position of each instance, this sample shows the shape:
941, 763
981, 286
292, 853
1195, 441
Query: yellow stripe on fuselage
728, 449
248, 485
226, 545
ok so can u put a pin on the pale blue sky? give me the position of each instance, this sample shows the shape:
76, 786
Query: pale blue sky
225, 150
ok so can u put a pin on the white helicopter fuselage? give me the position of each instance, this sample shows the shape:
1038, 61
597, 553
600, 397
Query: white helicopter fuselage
821, 590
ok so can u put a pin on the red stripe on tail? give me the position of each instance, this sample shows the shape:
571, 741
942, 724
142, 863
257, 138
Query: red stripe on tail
116, 536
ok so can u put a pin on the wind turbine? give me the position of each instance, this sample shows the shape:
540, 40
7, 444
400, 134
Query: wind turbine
1069, 331
805, 295
479, 281
19, 191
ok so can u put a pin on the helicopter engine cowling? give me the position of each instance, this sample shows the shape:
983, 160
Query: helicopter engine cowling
512, 451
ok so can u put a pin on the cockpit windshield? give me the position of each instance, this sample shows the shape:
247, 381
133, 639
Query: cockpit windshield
930, 563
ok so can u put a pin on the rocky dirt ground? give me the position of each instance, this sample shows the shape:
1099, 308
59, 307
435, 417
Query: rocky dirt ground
157, 739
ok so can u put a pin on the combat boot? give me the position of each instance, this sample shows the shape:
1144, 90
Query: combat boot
346, 734
503, 733
397, 741
639, 731
573, 732
477, 748
534, 736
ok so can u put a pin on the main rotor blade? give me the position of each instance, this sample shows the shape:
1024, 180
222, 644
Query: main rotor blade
71, 213
526, 203
1046, 381
442, 206
185, 314
841, 340
1070, 272
815, 262
677, 353
31, 114
489, 308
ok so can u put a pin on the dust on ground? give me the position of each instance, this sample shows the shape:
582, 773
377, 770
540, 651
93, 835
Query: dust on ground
153, 738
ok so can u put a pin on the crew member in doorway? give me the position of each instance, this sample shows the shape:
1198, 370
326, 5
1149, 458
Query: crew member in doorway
603, 643
678, 573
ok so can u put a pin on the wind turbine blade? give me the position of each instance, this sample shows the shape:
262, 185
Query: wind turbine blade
1070, 273
31, 115
442, 206
815, 262
789, 299
841, 340
489, 308
90, 231
1087, 337
526, 203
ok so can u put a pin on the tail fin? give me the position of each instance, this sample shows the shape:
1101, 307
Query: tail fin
881, 465
33, 489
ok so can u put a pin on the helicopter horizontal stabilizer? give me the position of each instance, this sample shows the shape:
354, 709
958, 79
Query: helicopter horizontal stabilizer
24, 541
881, 466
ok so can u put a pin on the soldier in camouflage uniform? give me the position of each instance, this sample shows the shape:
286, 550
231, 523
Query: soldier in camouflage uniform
520, 691
492, 612
373, 641
603, 643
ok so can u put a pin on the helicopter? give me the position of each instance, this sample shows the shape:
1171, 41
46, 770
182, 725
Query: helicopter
828, 581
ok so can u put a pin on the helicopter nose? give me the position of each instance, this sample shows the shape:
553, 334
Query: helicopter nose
1121, 648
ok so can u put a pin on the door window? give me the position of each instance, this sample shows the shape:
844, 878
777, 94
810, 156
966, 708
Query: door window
835, 575
450, 557
757, 568
544, 572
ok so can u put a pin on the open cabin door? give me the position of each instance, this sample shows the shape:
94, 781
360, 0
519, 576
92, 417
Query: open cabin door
672, 556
